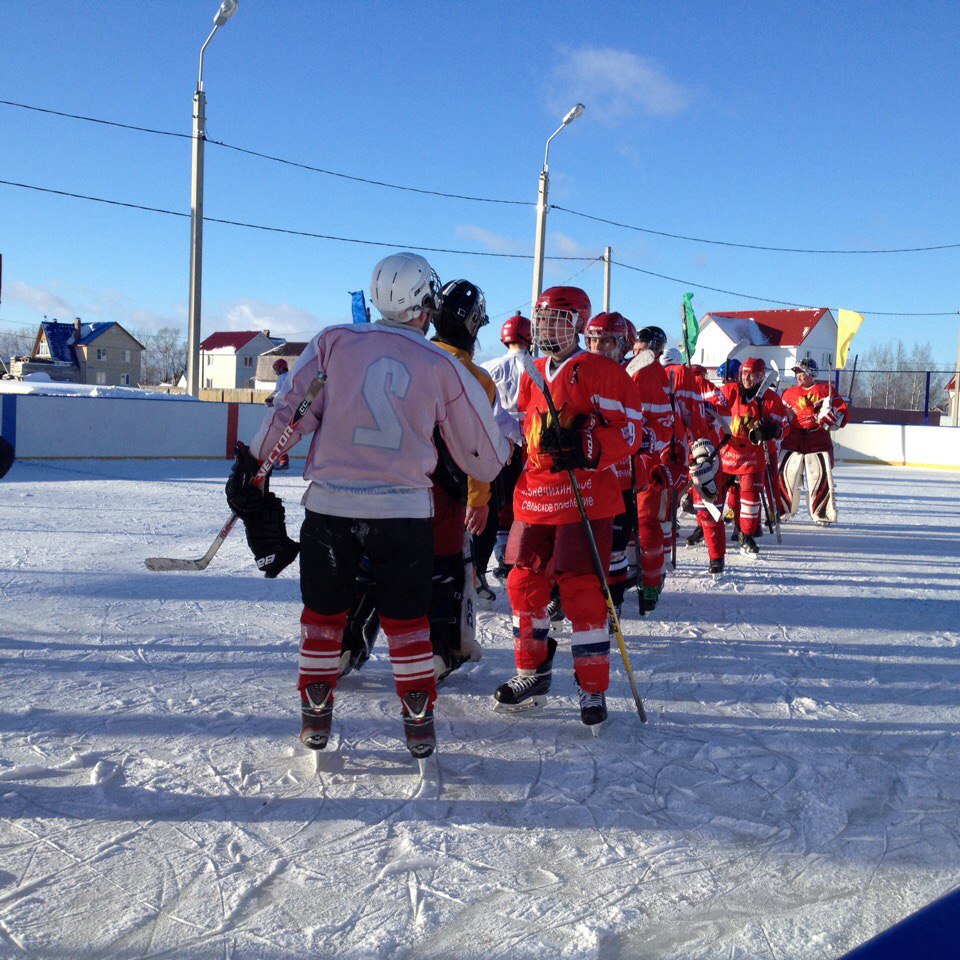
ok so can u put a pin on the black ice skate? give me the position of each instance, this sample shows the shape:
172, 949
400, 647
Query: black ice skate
695, 537
316, 715
555, 608
716, 567
483, 589
748, 546
593, 710
418, 724
529, 688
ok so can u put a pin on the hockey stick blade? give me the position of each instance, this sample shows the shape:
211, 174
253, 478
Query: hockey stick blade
164, 564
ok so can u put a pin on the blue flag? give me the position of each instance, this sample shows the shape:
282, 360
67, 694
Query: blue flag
360, 314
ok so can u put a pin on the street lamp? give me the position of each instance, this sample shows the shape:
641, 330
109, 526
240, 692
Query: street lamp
227, 9
542, 206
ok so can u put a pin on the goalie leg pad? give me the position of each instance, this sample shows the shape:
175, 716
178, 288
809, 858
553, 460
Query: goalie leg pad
820, 496
446, 605
791, 471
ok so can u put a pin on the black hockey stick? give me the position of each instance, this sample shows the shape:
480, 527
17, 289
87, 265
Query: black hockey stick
201, 563
538, 379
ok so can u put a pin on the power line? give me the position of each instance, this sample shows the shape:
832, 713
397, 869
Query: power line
468, 253
781, 303
748, 246
495, 200
284, 230
562, 283
267, 156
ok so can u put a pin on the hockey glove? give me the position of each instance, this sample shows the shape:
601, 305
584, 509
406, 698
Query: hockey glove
267, 536
829, 420
573, 447
763, 430
244, 497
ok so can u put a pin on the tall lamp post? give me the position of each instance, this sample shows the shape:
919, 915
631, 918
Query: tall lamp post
542, 206
227, 9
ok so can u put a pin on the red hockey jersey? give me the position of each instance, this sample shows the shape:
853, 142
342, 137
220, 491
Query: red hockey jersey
805, 404
584, 383
739, 455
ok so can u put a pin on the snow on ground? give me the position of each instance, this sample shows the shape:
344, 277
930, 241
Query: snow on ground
39, 384
795, 791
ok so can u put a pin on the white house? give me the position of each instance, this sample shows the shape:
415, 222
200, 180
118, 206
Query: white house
783, 336
228, 360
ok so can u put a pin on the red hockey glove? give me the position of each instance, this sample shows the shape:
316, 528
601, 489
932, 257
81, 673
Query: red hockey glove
763, 430
573, 447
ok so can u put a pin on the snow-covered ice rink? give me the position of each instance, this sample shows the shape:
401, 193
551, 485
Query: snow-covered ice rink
796, 790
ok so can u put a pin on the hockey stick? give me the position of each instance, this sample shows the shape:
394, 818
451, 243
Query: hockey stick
635, 520
201, 563
673, 489
538, 379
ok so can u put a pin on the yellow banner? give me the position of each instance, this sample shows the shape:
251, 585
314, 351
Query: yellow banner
848, 323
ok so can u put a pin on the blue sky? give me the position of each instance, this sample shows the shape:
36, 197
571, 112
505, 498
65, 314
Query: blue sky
805, 125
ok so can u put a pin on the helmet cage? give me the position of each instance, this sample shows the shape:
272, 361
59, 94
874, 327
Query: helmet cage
554, 331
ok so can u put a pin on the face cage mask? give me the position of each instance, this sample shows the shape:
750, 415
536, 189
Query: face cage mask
432, 300
619, 349
478, 317
554, 331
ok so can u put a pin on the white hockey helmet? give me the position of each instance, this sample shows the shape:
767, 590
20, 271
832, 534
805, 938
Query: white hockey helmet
672, 357
404, 287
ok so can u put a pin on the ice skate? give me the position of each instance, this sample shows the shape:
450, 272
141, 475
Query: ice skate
316, 715
696, 537
418, 724
650, 597
555, 609
748, 546
715, 568
529, 688
593, 710
483, 589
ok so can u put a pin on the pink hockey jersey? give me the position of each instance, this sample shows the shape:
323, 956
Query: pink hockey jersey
372, 450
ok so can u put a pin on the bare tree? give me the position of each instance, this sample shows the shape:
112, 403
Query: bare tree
165, 356
17, 341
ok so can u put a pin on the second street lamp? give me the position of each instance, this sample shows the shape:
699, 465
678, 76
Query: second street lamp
227, 9
542, 206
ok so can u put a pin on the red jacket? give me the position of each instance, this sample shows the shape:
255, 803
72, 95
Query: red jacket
584, 383
739, 455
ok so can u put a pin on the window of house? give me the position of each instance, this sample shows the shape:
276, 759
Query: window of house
125, 380
209, 384
248, 361
827, 360
43, 350
124, 356
101, 353
101, 377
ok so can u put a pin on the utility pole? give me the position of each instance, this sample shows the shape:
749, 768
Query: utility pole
607, 254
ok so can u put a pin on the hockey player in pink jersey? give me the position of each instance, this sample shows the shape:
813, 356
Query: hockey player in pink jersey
369, 465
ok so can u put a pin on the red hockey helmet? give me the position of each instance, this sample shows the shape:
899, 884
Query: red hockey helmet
610, 325
754, 365
280, 366
698, 370
516, 329
559, 316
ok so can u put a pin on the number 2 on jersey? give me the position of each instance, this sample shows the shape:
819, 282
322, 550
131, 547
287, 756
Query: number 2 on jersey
385, 377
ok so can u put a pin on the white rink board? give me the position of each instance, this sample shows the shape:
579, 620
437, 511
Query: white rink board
890, 443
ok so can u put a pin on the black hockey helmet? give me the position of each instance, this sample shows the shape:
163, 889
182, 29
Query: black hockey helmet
653, 337
463, 313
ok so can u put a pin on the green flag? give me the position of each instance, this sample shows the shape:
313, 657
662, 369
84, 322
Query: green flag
691, 329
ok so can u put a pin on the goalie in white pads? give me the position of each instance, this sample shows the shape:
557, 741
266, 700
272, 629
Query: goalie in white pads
807, 448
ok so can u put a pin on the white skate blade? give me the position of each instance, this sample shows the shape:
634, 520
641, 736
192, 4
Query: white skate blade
533, 703
749, 556
595, 729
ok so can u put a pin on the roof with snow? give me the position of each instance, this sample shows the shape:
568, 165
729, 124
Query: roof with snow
780, 328
59, 337
229, 339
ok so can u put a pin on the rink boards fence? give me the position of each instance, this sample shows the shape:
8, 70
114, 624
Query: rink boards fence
99, 428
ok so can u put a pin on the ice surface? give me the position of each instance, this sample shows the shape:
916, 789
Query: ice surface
795, 790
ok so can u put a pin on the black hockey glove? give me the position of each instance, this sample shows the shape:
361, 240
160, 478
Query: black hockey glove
244, 498
763, 430
267, 536
573, 447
